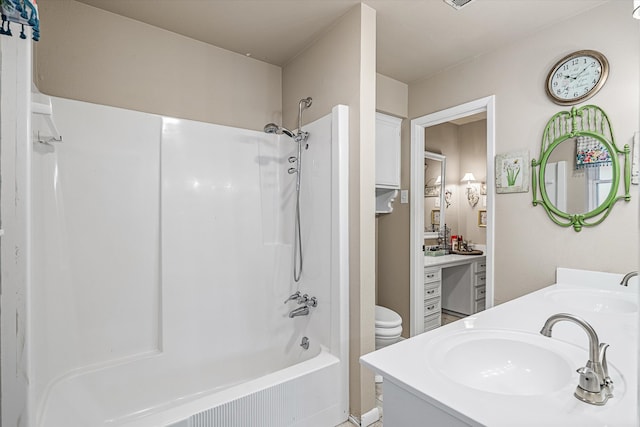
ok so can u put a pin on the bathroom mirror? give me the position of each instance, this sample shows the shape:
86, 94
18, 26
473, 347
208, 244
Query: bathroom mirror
434, 184
580, 170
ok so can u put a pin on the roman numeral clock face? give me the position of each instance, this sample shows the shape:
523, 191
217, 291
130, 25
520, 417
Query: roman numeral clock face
577, 77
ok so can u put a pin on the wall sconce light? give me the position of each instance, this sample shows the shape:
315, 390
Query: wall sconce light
439, 178
472, 193
636, 9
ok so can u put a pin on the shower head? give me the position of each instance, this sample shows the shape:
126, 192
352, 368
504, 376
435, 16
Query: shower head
305, 103
271, 128
278, 130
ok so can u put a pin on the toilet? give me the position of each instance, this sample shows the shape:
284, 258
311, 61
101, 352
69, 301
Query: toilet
388, 327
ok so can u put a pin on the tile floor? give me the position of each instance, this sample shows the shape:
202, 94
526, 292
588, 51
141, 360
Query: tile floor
378, 404
449, 318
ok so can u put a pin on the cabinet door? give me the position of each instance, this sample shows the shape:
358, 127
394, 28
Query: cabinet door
387, 151
458, 293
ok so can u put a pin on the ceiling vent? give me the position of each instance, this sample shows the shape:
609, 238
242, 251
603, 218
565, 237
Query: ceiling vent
457, 4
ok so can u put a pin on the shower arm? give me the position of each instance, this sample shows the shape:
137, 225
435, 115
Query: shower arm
302, 105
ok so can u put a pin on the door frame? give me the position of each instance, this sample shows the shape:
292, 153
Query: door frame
416, 256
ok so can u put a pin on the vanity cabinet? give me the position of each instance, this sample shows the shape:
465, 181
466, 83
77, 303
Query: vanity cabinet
465, 288
432, 293
480, 285
454, 283
387, 161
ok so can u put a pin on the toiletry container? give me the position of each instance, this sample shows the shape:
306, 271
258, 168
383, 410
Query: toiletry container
388, 327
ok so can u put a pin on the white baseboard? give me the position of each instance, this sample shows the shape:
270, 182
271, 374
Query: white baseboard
370, 417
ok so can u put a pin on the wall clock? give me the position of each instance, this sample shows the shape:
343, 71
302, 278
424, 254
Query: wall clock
577, 77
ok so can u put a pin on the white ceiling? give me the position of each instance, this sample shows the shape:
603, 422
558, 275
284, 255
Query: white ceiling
415, 38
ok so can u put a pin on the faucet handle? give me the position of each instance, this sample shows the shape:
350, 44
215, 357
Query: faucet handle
292, 297
605, 369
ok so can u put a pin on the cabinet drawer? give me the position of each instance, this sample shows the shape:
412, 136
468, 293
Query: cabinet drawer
432, 306
480, 279
480, 293
479, 305
479, 266
431, 322
431, 290
431, 275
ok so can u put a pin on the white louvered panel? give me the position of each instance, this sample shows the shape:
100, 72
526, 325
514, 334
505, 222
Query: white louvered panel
267, 408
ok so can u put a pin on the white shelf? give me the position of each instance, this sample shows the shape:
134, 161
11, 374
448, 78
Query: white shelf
384, 200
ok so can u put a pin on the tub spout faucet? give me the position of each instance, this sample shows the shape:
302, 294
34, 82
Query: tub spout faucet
595, 386
300, 311
625, 279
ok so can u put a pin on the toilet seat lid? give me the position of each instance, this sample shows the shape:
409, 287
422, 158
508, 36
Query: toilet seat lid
386, 318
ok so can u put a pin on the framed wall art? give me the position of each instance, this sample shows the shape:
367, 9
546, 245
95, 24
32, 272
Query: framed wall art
435, 216
512, 172
482, 218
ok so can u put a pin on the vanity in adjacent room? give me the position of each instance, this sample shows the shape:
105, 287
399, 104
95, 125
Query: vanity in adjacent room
454, 284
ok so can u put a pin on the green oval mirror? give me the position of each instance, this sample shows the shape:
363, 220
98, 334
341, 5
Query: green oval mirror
579, 170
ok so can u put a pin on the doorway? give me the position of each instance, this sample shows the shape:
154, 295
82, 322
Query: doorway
416, 256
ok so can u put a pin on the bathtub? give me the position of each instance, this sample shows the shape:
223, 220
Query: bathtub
161, 260
155, 391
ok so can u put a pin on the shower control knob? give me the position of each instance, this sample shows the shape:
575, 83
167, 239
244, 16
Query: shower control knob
292, 159
313, 302
292, 170
295, 296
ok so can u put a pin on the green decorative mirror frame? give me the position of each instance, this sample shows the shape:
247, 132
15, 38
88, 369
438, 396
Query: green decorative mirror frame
579, 169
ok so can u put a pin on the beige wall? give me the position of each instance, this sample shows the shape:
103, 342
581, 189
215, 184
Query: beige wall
392, 96
91, 55
339, 68
465, 147
444, 139
528, 245
393, 247
473, 155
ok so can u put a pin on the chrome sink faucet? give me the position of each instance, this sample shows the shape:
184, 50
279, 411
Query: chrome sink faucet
625, 279
595, 385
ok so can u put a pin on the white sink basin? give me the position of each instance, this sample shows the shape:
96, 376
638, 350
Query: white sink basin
506, 362
595, 300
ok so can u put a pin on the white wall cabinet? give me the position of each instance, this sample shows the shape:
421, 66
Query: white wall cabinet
387, 151
387, 161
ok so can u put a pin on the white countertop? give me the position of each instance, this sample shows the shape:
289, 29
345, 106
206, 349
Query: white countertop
452, 259
405, 363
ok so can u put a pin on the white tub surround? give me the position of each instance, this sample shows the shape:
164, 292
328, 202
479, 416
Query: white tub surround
161, 258
495, 369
